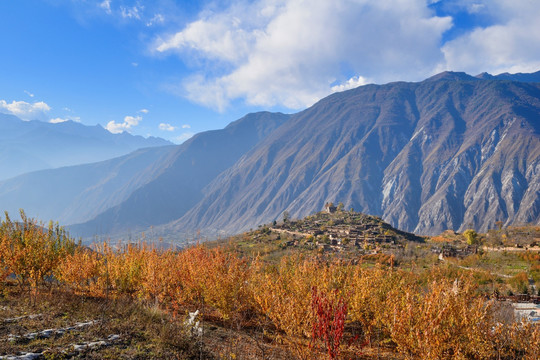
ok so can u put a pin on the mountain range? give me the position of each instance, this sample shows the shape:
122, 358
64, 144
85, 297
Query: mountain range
27, 146
451, 152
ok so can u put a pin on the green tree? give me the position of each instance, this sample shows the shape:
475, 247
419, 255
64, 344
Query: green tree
471, 236
286, 216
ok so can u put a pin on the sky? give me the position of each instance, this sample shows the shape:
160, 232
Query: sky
175, 68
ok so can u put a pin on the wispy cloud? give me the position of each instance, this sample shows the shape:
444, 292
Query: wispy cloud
129, 123
289, 53
183, 137
510, 44
132, 12
57, 120
166, 127
352, 83
61, 120
28, 93
106, 5
186, 126
144, 111
157, 19
24, 110
152, 13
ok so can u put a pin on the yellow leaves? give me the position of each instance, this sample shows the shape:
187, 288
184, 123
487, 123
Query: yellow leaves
434, 314
31, 251
222, 280
80, 270
448, 321
283, 293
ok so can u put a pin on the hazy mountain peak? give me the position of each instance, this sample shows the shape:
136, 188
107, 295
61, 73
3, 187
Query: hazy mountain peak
35, 145
521, 77
424, 157
451, 152
451, 76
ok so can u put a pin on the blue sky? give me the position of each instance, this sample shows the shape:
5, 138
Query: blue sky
174, 68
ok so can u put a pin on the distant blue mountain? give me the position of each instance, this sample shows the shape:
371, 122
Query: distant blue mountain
521, 77
146, 187
451, 152
76, 193
27, 146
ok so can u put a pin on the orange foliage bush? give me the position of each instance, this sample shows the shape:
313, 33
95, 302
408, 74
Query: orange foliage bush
80, 270
532, 257
428, 314
371, 292
213, 277
446, 322
32, 251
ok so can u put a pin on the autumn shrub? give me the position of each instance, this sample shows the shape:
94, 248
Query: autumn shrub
531, 257
447, 320
328, 325
4, 269
81, 271
283, 292
371, 293
224, 277
158, 276
124, 268
520, 282
32, 251
213, 278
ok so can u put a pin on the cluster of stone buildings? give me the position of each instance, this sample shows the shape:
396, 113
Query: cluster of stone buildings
339, 231
448, 250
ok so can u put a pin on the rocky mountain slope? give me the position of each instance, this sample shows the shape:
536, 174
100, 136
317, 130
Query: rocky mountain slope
79, 193
532, 77
451, 152
149, 186
177, 181
27, 146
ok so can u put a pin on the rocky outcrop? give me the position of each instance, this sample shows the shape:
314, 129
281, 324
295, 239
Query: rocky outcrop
451, 152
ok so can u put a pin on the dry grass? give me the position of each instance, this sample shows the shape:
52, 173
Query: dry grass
144, 332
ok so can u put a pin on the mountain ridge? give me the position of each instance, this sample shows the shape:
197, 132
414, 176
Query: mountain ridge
395, 152
188, 169
451, 152
28, 146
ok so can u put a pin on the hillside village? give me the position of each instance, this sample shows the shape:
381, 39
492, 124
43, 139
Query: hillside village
334, 230
135, 301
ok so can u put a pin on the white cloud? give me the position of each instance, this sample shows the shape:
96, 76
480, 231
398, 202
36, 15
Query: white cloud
29, 93
291, 52
106, 5
186, 126
183, 137
61, 120
127, 125
57, 120
352, 83
166, 127
133, 12
157, 19
475, 8
25, 111
144, 111
511, 44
